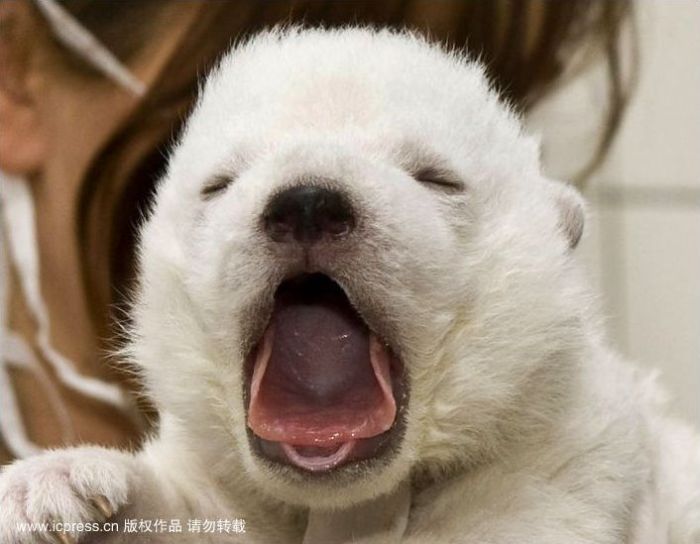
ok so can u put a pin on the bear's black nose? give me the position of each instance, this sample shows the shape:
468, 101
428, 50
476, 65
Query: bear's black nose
307, 214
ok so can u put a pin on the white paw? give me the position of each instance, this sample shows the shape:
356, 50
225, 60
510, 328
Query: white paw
72, 486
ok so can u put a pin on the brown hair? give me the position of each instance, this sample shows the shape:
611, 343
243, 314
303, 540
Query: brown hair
525, 45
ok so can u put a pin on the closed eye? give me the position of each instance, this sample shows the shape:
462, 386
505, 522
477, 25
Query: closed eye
439, 178
216, 185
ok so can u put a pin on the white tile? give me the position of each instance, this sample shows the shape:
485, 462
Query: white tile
661, 263
659, 141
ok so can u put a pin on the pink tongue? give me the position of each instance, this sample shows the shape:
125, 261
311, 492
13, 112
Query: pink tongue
320, 377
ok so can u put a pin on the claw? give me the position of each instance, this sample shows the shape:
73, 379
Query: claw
64, 538
102, 505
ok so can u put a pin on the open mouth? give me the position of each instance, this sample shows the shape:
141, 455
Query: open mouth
323, 389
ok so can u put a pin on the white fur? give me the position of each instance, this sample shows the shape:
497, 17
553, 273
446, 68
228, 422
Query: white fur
522, 426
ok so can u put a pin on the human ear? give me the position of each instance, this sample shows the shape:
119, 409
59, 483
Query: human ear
22, 138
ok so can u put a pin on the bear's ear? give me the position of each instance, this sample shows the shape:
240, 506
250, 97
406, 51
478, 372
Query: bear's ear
571, 208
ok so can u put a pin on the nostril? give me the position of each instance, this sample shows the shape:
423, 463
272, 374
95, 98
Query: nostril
278, 229
339, 227
308, 214
334, 214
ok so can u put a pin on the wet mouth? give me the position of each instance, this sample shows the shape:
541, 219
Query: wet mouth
323, 390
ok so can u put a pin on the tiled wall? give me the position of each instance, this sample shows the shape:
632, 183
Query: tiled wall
643, 235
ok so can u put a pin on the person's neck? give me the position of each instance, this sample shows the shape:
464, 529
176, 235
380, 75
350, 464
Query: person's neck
61, 282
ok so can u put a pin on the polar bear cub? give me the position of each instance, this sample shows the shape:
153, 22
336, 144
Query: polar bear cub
361, 319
